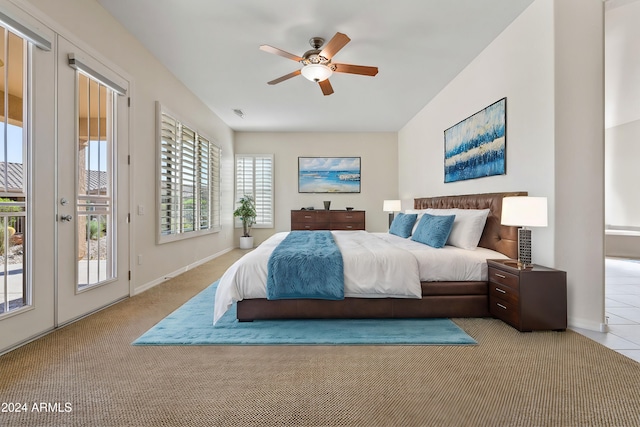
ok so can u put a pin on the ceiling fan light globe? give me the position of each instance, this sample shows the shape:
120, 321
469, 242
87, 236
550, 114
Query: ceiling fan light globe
316, 72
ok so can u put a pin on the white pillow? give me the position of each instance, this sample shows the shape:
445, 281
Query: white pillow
419, 212
467, 226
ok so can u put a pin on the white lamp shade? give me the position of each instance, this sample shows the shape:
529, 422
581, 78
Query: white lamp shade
316, 72
392, 206
524, 211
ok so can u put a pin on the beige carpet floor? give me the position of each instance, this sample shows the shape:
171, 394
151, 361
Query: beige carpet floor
508, 379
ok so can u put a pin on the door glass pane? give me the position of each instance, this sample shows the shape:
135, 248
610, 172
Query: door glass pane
96, 228
14, 288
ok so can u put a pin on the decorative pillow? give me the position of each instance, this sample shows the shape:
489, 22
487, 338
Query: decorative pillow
418, 212
403, 224
467, 227
433, 230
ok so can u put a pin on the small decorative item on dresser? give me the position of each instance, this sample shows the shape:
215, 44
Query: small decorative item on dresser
327, 204
533, 299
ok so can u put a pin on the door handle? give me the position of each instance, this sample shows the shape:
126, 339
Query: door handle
66, 218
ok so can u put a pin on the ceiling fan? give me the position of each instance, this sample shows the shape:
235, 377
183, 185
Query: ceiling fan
316, 63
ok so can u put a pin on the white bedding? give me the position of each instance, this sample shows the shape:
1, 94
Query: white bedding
376, 265
447, 264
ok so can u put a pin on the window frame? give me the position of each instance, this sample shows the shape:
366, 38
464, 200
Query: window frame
214, 160
238, 195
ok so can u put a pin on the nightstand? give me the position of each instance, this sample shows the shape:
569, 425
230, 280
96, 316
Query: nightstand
531, 299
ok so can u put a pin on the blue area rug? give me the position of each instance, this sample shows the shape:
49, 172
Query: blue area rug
191, 324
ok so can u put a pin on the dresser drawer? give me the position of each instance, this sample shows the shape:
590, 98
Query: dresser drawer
504, 310
506, 293
503, 278
302, 226
310, 220
347, 226
347, 217
303, 216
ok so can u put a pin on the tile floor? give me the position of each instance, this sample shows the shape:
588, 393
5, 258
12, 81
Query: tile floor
622, 307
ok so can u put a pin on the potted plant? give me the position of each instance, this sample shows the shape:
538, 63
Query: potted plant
247, 214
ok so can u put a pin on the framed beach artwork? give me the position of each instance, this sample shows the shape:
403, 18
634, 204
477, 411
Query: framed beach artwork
328, 174
476, 147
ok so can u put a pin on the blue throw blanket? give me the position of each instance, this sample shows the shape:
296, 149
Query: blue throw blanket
306, 264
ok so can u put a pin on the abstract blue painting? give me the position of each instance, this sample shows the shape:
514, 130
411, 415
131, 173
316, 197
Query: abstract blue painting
328, 174
476, 147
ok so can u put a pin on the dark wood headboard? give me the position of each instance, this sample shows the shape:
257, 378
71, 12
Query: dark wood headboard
498, 237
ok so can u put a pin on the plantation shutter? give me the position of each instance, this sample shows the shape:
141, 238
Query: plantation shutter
263, 191
202, 188
170, 183
188, 172
215, 154
208, 184
254, 177
189, 181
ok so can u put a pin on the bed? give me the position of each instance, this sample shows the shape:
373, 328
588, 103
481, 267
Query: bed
420, 292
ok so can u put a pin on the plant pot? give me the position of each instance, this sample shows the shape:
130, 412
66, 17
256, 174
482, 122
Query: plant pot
327, 205
246, 242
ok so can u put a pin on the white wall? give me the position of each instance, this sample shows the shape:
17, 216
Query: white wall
532, 63
379, 163
579, 153
518, 65
90, 26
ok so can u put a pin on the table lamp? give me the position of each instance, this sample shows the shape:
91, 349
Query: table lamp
524, 211
391, 206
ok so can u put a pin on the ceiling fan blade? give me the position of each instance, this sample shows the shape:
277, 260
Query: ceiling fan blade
285, 77
335, 44
326, 87
280, 52
356, 69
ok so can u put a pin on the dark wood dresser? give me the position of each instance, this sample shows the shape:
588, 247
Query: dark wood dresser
532, 299
327, 220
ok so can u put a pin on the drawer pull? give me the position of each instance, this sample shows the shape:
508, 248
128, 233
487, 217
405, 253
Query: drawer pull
307, 226
307, 217
501, 306
501, 276
501, 290
349, 216
349, 226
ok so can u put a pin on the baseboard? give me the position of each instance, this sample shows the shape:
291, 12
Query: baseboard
589, 325
149, 285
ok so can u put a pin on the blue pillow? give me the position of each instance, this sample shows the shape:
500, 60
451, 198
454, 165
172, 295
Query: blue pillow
403, 224
434, 230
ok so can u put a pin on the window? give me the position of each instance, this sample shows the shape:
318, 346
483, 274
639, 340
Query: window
254, 177
189, 181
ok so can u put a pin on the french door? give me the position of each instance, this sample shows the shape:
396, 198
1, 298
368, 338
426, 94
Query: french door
92, 185
64, 179
27, 145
